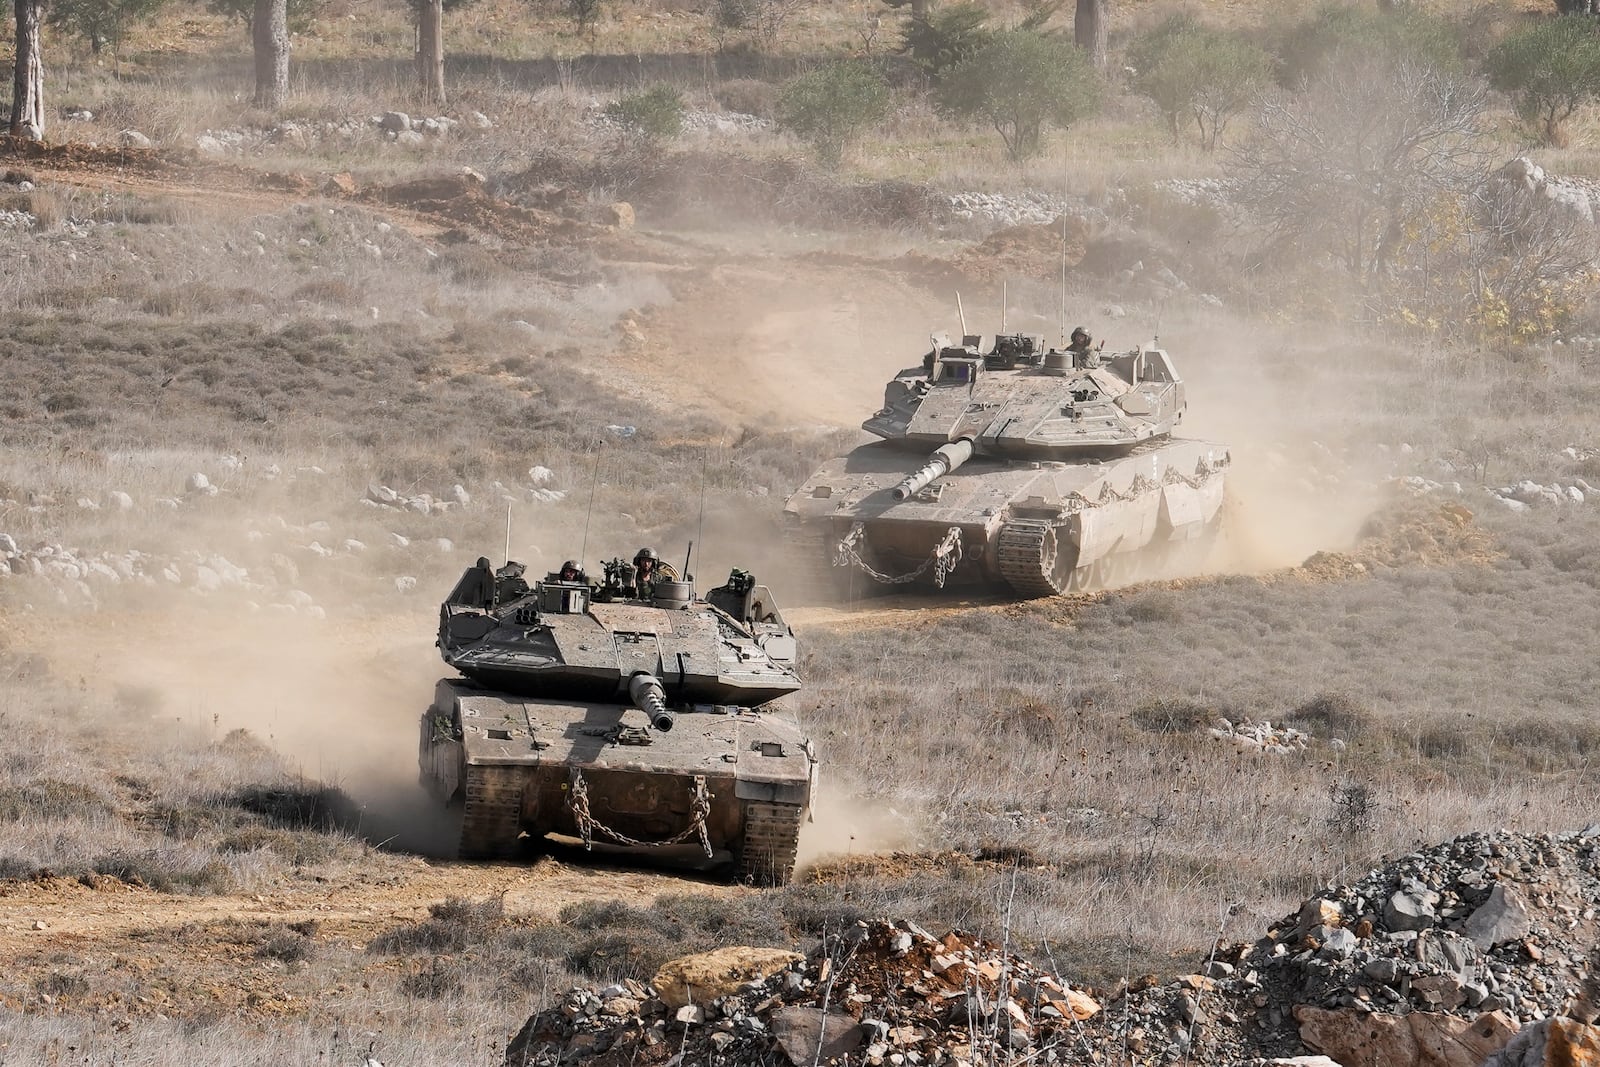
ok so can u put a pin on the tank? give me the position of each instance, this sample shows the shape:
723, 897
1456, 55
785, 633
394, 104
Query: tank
1007, 465
640, 715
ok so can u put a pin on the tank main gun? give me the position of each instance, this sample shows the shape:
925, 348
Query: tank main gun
648, 696
945, 459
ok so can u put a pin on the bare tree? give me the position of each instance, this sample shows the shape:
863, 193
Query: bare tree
430, 49
27, 97
269, 33
1089, 30
1346, 167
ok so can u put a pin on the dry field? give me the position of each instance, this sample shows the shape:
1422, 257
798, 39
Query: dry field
212, 848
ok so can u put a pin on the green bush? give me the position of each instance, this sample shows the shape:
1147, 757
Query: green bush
1550, 70
1339, 31
830, 106
651, 116
940, 39
1022, 83
1195, 74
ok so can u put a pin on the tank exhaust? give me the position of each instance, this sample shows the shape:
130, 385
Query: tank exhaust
945, 459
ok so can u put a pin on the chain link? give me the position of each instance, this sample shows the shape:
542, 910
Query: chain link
699, 812
946, 555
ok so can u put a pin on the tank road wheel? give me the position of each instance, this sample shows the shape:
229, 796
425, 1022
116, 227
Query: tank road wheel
1035, 559
491, 819
766, 852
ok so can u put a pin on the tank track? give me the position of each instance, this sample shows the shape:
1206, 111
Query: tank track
1027, 555
771, 839
491, 821
810, 556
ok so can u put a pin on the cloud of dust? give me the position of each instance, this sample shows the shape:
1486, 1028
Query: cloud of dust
845, 825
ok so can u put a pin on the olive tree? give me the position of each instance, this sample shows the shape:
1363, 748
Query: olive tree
1550, 70
1022, 83
101, 23
830, 106
27, 95
1198, 75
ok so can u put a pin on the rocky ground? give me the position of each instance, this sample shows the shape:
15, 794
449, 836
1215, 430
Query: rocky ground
1476, 948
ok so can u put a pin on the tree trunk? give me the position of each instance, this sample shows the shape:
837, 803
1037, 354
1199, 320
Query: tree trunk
430, 49
27, 96
269, 31
1089, 30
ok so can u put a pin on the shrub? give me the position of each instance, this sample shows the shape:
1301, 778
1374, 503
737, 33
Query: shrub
652, 116
1021, 83
455, 924
1550, 70
99, 22
828, 107
1196, 74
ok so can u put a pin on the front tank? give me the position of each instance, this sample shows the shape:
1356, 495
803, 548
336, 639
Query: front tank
622, 714
1008, 465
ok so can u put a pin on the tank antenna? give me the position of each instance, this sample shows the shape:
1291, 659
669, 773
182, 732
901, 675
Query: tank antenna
962, 315
594, 480
700, 527
508, 533
1004, 299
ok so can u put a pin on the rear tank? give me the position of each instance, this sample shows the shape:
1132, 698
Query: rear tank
1008, 465
619, 713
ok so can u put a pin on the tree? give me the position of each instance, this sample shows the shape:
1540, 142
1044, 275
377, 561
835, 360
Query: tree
301, 12
937, 40
430, 49
1347, 168
269, 32
1089, 30
1197, 74
1578, 7
27, 95
1339, 35
1550, 70
830, 106
1021, 83
99, 22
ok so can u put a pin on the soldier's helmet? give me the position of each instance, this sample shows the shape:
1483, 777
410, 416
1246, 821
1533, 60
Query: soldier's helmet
644, 554
572, 566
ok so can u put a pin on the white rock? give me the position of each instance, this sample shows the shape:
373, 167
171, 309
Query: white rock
133, 139
444, 544
1574, 495
478, 120
198, 483
395, 121
408, 137
85, 504
208, 145
350, 544
317, 548
459, 494
405, 583
207, 580
399, 540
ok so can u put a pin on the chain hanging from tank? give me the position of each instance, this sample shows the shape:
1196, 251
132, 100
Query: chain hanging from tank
946, 554
699, 812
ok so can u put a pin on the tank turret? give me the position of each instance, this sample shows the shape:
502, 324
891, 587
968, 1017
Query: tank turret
1051, 470
629, 710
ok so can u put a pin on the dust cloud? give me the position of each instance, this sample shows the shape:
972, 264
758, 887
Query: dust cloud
846, 825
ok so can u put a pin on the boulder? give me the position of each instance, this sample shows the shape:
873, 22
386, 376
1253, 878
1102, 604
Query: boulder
1420, 1039
620, 215
809, 1035
133, 139
1503, 917
395, 122
340, 184
702, 978
1553, 1042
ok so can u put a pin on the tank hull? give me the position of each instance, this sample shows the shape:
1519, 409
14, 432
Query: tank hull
1031, 527
733, 782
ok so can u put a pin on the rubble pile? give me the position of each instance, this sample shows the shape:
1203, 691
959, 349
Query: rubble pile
878, 993
1476, 948
1261, 736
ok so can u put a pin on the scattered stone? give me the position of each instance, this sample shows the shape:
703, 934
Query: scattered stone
701, 978
133, 139
1503, 917
394, 122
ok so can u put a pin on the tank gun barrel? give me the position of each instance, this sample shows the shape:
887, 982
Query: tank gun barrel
945, 459
648, 696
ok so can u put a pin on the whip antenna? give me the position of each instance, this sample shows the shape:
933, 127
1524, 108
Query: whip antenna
700, 527
962, 315
594, 480
508, 533
1004, 299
